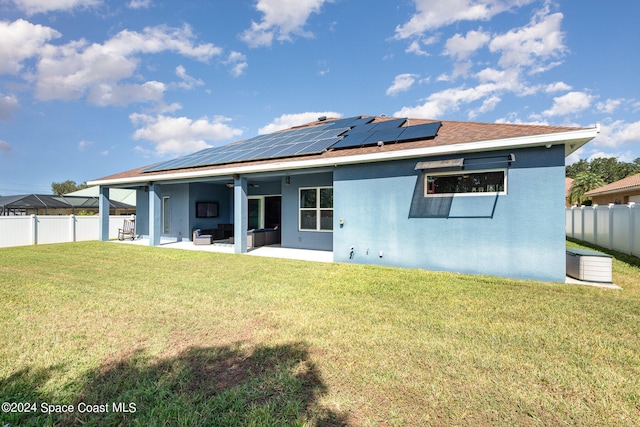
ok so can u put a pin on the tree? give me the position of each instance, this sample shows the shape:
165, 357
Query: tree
583, 182
608, 168
60, 188
574, 169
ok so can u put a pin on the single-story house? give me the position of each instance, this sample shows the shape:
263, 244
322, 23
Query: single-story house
479, 198
623, 191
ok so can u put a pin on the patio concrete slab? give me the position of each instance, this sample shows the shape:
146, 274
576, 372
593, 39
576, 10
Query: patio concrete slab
572, 281
274, 251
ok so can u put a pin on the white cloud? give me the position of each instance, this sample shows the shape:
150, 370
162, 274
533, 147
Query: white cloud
488, 104
82, 145
462, 47
433, 14
417, 49
618, 133
139, 4
21, 40
43, 6
493, 83
238, 63
77, 68
287, 121
281, 19
125, 94
4, 146
571, 103
437, 104
9, 105
557, 87
401, 83
188, 82
540, 40
609, 106
181, 135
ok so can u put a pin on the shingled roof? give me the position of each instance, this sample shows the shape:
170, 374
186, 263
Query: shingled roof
452, 137
629, 183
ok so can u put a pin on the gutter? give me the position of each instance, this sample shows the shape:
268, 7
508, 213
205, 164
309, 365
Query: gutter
572, 140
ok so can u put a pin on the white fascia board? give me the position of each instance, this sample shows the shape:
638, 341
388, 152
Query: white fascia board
577, 138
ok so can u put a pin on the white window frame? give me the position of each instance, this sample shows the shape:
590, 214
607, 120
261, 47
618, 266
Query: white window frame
317, 209
467, 172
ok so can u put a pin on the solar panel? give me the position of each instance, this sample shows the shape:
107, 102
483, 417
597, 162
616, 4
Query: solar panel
352, 140
390, 124
362, 128
428, 130
348, 122
386, 135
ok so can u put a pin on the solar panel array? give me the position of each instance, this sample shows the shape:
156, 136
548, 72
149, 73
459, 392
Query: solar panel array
336, 134
296, 142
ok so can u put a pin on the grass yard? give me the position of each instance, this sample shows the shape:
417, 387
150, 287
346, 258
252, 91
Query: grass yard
132, 335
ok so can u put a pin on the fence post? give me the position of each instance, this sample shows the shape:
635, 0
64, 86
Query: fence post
572, 223
34, 229
582, 223
72, 228
610, 245
631, 228
595, 224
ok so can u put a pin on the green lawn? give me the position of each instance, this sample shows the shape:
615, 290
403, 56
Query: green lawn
191, 338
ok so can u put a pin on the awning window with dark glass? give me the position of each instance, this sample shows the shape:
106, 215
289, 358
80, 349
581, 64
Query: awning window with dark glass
476, 182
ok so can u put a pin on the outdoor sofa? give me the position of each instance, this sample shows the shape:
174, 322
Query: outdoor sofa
205, 236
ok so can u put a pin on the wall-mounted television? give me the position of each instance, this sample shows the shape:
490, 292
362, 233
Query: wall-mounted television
206, 209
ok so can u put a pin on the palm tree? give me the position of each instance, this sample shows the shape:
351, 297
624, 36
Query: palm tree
583, 182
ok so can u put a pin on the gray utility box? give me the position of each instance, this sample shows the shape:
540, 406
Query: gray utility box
590, 266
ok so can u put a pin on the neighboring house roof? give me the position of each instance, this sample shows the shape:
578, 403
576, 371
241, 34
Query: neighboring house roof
452, 137
49, 201
121, 195
629, 183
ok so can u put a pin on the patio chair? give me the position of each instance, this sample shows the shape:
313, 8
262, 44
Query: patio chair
201, 239
128, 229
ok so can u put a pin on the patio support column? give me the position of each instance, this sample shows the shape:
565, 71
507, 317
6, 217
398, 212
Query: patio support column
240, 212
103, 209
155, 214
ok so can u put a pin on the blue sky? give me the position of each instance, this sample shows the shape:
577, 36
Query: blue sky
89, 88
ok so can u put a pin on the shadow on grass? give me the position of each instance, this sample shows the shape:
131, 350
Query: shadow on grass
232, 385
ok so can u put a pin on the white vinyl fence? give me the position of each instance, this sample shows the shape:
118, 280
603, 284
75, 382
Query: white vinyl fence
614, 226
42, 229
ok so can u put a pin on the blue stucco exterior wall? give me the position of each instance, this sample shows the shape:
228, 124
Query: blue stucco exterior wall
206, 192
523, 236
291, 236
